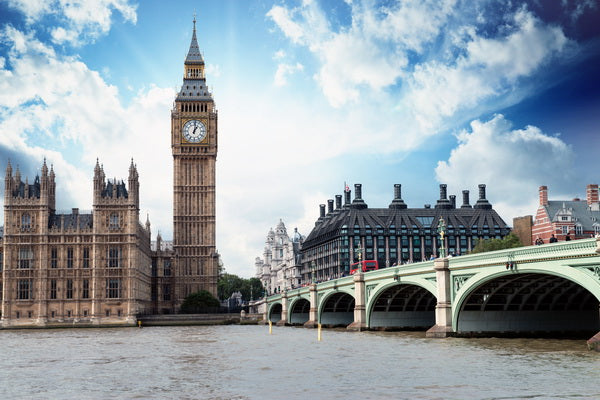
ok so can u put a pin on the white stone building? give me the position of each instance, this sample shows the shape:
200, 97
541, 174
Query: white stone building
279, 268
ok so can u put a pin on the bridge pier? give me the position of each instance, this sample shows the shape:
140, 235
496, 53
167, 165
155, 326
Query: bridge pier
284, 310
443, 309
313, 317
594, 342
360, 314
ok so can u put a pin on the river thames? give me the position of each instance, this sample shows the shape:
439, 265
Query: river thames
245, 362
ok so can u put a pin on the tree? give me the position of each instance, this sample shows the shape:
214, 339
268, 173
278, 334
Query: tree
256, 288
249, 288
198, 302
508, 242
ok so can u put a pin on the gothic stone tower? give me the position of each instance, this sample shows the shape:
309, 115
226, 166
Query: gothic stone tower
194, 145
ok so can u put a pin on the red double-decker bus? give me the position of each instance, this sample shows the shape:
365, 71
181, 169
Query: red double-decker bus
364, 266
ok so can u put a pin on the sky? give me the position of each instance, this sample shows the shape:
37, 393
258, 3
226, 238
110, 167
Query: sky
311, 95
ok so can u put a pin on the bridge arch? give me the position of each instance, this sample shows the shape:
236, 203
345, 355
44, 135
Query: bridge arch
299, 310
541, 299
274, 312
407, 304
336, 308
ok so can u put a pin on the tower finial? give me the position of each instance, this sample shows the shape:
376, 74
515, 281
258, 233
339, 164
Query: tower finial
194, 21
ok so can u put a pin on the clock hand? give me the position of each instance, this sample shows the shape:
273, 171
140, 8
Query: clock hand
194, 131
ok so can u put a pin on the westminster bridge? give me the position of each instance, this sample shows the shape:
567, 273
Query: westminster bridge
553, 288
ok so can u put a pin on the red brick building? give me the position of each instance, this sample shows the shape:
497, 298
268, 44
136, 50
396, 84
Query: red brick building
577, 218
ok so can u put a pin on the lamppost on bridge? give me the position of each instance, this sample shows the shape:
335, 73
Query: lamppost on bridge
358, 251
312, 271
442, 233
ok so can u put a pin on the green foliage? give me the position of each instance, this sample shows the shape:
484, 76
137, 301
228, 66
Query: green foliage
509, 241
196, 302
249, 288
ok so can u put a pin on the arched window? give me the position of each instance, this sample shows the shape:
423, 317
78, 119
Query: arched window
113, 222
25, 221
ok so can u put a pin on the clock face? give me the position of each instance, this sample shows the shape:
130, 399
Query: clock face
194, 131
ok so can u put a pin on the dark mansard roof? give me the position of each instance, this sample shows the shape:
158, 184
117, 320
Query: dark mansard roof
474, 219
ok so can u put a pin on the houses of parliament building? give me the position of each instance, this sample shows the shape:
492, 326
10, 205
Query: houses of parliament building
100, 267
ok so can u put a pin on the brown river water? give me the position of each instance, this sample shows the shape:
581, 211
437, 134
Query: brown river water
246, 362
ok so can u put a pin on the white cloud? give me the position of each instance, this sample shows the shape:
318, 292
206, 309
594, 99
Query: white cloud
212, 70
279, 54
457, 69
33, 9
81, 20
487, 72
284, 70
282, 18
512, 162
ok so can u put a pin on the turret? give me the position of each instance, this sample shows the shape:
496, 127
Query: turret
98, 181
51, 189
8, 183
44, 182
17, 180
134, 185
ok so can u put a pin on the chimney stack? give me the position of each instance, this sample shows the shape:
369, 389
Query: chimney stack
357, 191
398, 203
321, 210
347, 200
338, 201
482, 202
358, 202
543, 195
465, 203
443, 187
592, 197
453, 200
329, 206
592, 194
443, 202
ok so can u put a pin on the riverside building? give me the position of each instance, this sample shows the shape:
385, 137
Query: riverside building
393, 235
78, 267
98, 267
574, 218
280, 267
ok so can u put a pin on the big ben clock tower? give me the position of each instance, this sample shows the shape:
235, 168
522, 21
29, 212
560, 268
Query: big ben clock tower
194, 145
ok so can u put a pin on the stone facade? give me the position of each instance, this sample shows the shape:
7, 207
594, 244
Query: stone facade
279, 269
163, 277
522, 228
76, 268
